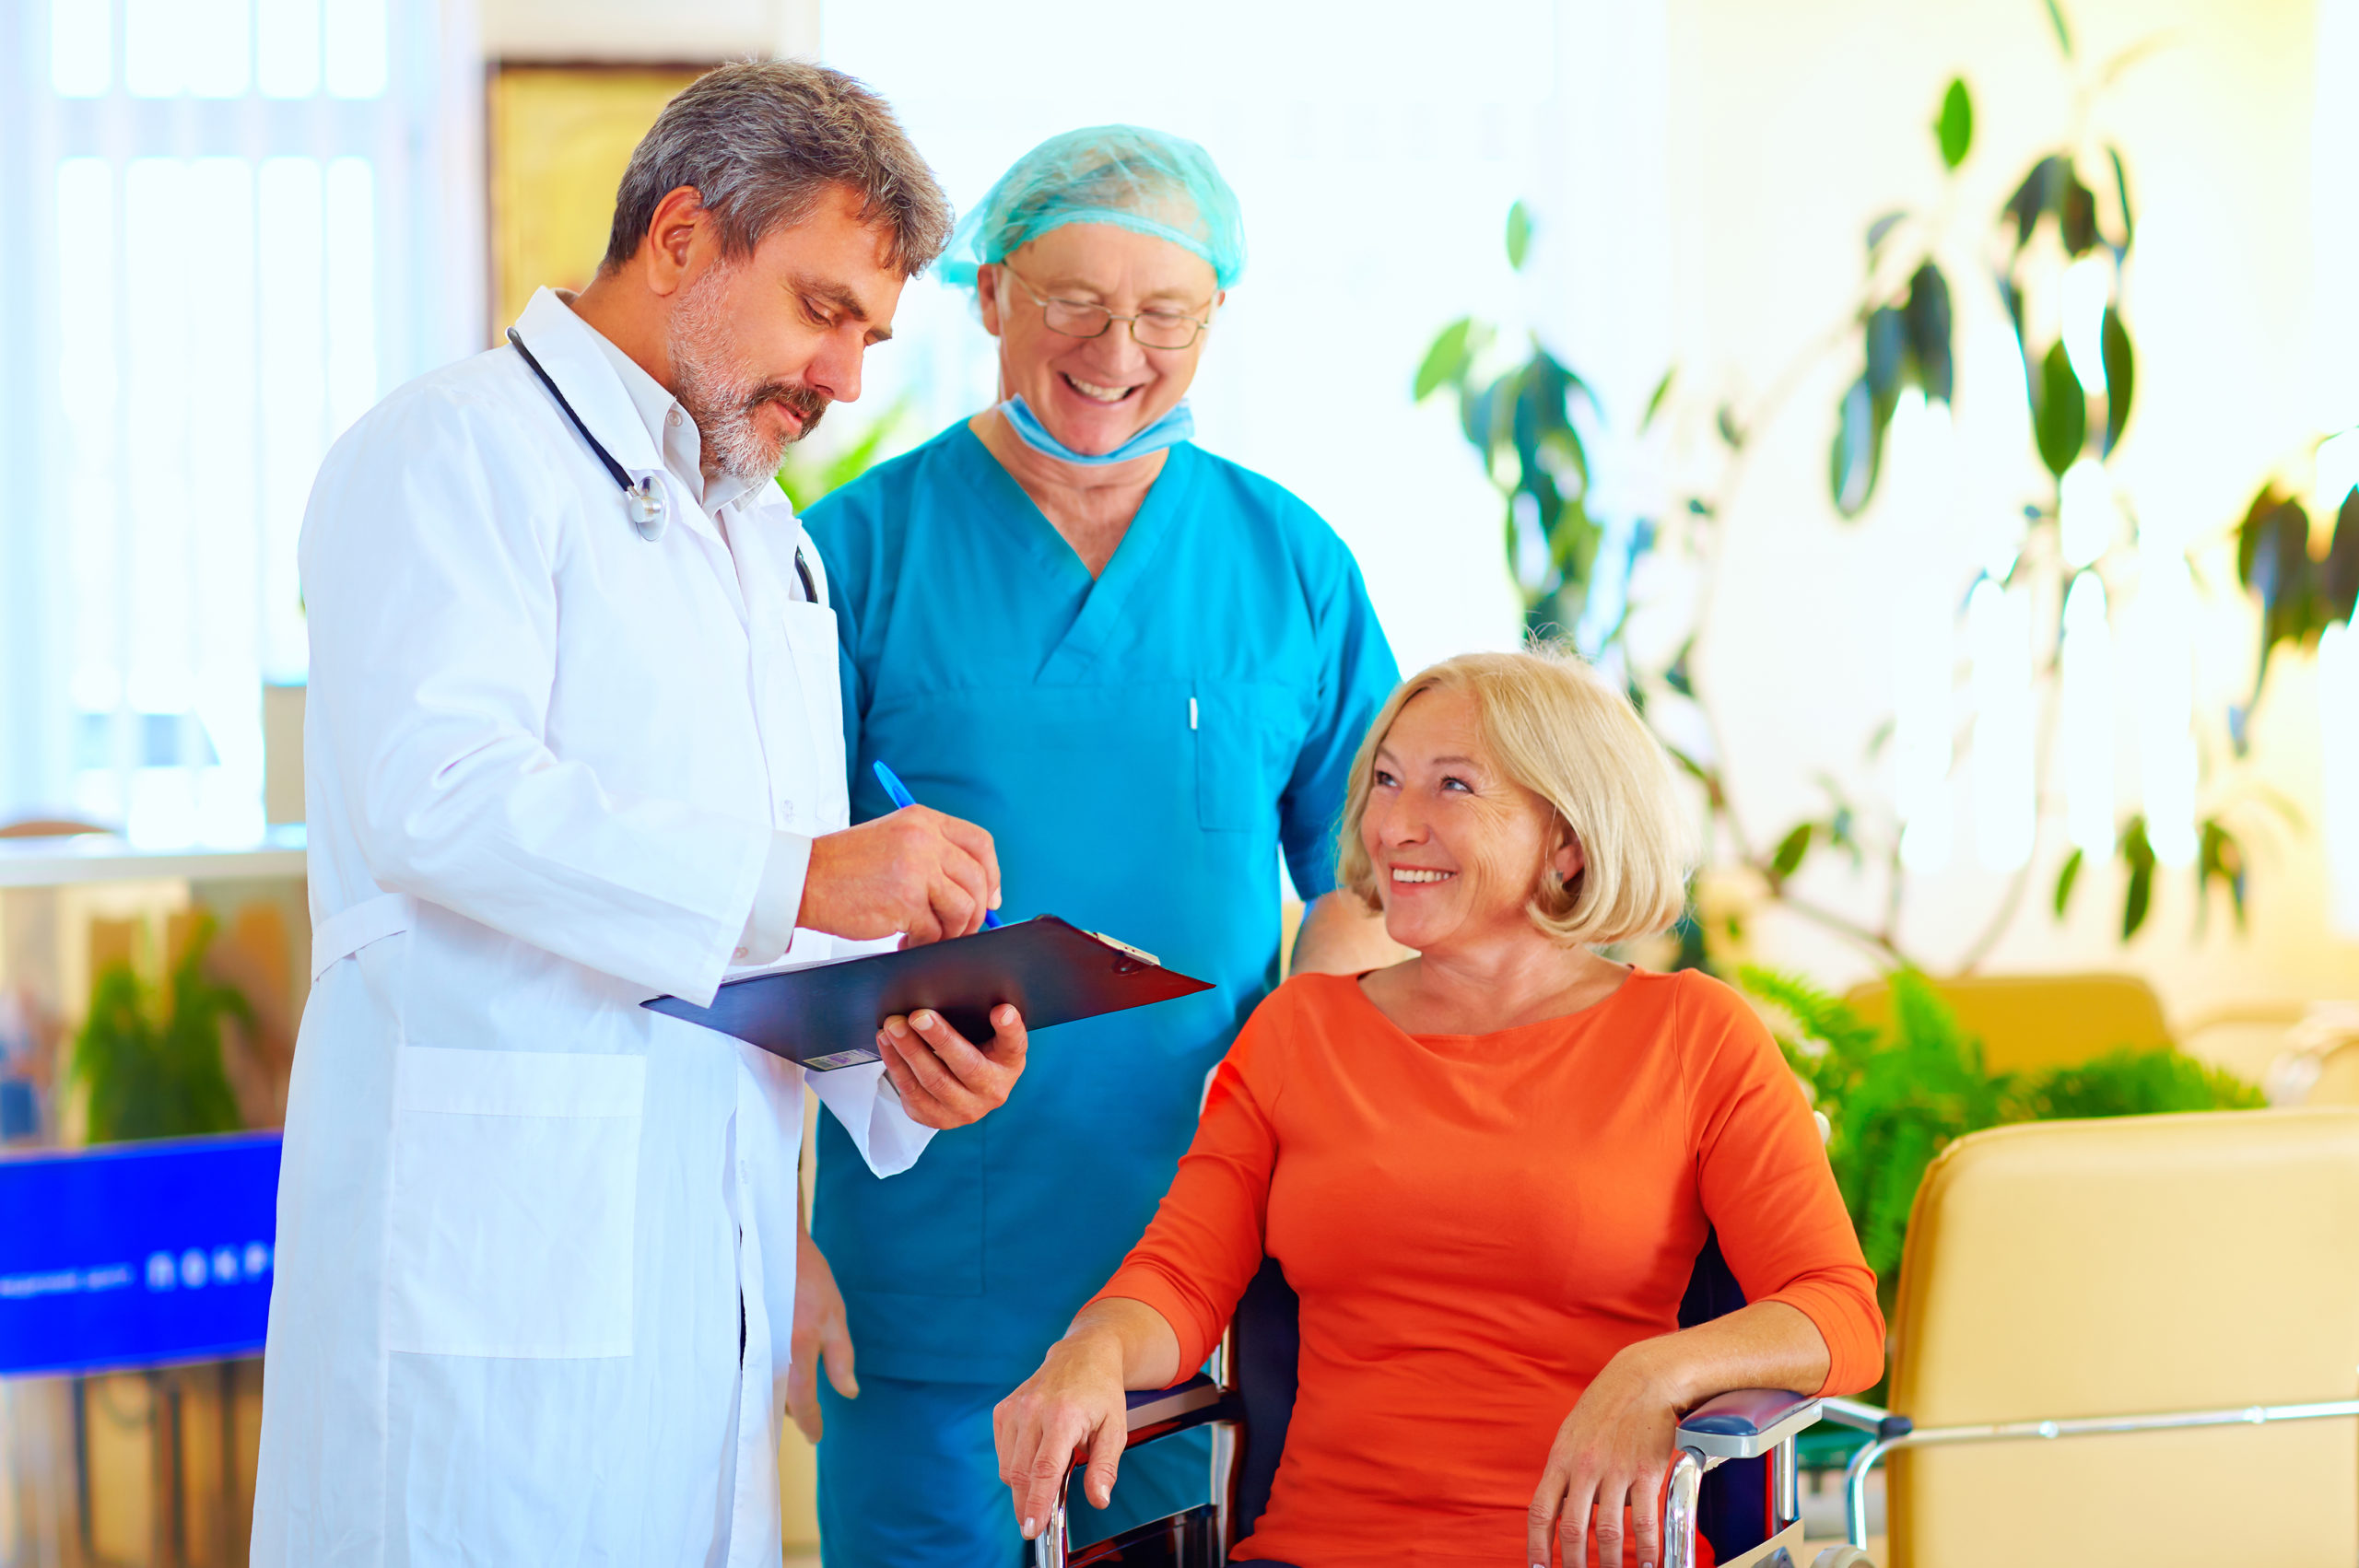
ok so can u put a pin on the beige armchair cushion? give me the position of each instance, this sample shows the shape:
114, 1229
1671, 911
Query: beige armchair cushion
2132, 1266
2029, 1022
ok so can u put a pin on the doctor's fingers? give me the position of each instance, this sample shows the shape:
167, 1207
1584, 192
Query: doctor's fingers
931, 1096
988, 1075
956, 895
978, 844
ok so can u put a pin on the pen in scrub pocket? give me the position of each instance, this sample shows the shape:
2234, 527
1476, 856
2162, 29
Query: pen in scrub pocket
901, 796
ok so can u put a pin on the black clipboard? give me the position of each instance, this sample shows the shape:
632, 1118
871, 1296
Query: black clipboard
827, 1016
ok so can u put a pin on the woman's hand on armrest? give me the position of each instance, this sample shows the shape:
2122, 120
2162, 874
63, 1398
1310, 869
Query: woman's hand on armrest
1075, 1403
1614, 1450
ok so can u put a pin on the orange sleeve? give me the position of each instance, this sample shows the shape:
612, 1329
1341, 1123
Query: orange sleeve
1766, 1186
1204, 1244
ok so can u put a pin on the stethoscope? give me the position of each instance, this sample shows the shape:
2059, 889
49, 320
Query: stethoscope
643, 503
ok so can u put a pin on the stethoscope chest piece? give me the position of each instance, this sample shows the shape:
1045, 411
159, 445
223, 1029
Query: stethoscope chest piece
645, 504
641, 500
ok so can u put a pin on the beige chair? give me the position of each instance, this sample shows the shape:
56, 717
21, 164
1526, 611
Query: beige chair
2030, 1022
2338, 1082
2128, 1340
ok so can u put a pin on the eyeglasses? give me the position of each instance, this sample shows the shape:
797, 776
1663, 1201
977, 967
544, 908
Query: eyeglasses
1149, 329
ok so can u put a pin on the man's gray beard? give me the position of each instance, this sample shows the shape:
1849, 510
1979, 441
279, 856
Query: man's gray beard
712, 384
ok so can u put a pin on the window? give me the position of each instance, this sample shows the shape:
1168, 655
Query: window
231, 226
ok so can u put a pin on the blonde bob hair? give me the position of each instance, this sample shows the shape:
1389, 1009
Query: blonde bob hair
1559, 730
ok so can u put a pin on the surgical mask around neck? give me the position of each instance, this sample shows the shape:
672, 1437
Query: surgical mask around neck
1175, 426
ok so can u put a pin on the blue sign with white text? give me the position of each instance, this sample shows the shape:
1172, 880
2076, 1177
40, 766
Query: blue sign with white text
136, 1254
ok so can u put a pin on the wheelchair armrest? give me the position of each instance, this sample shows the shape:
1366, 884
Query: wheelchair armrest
1157, 1413
1861, 1416
1745, 1424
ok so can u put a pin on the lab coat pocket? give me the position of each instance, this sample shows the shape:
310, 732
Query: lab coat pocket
1242, 757
514, 1197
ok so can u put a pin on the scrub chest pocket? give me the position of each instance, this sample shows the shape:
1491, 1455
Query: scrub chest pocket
514, 1197
1247, 734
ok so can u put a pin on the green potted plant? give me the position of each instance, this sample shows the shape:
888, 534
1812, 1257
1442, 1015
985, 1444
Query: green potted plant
149, 1061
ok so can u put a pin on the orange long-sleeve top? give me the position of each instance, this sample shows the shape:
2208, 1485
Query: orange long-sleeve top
1475, 1224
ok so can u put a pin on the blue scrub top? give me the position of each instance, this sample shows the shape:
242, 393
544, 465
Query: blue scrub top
1141, 748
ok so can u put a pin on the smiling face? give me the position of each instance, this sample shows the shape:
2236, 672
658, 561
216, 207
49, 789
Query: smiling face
1457, 847
1095, 394
760, 345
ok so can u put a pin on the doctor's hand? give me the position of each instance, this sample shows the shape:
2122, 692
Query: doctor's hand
916, 870
944, 1081
821, 1333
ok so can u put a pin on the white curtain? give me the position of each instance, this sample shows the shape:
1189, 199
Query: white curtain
227, 226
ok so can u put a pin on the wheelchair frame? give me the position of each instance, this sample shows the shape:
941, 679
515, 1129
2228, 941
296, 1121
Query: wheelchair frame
1743, 1424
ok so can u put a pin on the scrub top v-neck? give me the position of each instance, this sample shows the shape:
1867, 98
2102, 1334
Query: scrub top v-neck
1143, 747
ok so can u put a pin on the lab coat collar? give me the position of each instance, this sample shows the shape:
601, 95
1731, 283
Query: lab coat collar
571, 351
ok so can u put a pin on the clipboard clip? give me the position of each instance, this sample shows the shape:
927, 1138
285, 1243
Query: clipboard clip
1133, 959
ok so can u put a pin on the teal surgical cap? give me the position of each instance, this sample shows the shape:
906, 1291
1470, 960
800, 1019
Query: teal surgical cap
1132, 178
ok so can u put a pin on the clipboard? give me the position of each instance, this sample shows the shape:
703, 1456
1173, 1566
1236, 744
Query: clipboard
827, 1016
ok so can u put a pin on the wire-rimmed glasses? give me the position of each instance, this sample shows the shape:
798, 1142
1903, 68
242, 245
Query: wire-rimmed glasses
1149, 329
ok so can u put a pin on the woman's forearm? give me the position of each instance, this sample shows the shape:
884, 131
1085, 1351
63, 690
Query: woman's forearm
1766, 1345
1133, 1337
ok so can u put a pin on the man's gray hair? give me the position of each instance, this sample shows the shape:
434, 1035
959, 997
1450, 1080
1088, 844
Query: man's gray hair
761, 142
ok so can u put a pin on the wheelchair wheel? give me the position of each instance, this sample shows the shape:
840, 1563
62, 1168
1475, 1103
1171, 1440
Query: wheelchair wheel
1843, 1557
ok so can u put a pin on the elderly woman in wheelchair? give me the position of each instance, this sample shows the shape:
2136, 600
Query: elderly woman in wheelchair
1489, 1174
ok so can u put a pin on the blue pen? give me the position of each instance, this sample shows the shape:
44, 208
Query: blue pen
899, 793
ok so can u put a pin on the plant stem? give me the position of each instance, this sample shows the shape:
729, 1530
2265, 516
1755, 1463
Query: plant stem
1843, 925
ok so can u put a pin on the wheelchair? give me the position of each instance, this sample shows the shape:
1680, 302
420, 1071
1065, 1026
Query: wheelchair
1733, 1482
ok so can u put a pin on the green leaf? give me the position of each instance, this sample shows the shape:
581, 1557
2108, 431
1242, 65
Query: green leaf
2219, 859
2076, 215
2120, 378
2034, 197
1791, 851
1954, 127
2339, 573
2138, 854
1724, 421
2063, 33
1657, 397
1928, 316
1887, 353
1477, 421
2273, 558
1879, 229
1680, 677
2059, 413
1446, 361
1518, 235
2253, 530
1858, 449
2065, 879
2121, 189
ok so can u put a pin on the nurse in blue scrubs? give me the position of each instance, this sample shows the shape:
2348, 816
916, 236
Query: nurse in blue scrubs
1146, 669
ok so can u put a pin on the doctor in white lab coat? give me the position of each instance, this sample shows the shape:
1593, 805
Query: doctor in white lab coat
573, 742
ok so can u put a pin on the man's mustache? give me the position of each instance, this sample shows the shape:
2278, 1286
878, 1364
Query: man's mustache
802, 402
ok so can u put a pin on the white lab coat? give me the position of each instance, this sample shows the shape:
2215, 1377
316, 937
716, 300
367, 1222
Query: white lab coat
547, 761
